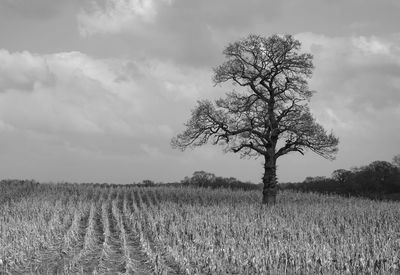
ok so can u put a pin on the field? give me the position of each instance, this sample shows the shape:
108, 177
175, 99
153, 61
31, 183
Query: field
83, 229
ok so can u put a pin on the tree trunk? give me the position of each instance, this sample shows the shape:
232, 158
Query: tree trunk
269, 181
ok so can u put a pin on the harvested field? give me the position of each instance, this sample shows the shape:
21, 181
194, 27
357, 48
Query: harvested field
84, 229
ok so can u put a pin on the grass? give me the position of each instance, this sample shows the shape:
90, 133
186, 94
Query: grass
73, 229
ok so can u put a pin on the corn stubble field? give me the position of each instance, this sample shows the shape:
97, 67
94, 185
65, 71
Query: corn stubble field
83, 229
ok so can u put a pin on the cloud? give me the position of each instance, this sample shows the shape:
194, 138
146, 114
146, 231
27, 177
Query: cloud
22, 70
59, 92
112, 106
358, 72
183, 31
113, 16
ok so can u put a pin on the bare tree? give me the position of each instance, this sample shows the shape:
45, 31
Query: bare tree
270, 116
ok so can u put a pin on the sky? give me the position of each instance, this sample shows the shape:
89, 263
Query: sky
94, 90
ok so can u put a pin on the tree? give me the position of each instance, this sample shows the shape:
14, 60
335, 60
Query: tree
202, 178
341, 175
269, 116
148, 183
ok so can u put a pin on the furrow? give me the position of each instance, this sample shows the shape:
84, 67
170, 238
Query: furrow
45, 257
58, 257
139, 260
112, 260
165, 260
87, 260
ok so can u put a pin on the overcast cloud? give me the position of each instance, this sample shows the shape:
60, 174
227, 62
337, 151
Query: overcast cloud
94, 90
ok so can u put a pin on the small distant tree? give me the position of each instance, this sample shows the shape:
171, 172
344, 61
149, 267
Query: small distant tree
341, 175
185, 181
202, 178
269, 116
147, 183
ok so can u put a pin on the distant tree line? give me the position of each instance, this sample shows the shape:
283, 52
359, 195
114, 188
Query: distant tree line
205, 180
209, 180
379, 179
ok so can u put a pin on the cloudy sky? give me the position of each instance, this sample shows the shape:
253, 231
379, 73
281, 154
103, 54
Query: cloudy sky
93, 90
